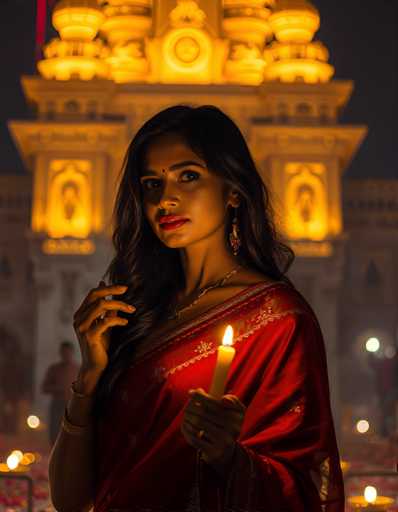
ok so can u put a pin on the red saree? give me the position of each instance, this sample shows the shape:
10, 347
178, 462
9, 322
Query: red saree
286, 458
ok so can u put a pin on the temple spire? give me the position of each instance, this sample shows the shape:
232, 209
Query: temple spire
76, 53
294, 56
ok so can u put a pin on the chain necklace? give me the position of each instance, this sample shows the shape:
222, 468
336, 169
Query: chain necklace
202, 291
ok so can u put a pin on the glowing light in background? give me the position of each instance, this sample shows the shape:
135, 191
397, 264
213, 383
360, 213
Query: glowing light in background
12, 461
18, 454
372, 345
33, 421
363, 426
370, 494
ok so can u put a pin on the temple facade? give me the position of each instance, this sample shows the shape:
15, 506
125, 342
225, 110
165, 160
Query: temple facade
118, 62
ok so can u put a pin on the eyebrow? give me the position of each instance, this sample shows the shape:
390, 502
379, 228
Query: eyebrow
174, 167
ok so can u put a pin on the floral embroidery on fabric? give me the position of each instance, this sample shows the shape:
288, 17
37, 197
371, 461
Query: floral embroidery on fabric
187, 363
204, 346
201, 322
244, 330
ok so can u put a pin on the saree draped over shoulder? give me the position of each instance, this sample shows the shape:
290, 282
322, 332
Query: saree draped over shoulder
286, 458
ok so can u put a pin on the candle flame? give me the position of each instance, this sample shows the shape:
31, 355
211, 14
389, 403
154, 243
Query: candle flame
370, 494
228, 336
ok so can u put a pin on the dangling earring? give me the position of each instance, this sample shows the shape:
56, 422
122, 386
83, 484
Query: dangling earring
234, 238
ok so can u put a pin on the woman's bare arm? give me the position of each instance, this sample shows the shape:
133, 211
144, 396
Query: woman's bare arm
71, 467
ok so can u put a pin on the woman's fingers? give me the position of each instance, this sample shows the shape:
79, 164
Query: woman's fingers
98, 293
213, 407
101, 307
191, 435
108, 322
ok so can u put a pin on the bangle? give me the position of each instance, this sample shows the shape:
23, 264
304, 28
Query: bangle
74, 430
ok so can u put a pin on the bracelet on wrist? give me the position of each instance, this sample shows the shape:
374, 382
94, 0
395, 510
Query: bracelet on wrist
70, 428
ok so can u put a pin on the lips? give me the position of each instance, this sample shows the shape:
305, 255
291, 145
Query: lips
173, 225
170, 218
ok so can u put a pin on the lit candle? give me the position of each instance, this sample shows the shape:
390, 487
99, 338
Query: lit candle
370, 501
225, 355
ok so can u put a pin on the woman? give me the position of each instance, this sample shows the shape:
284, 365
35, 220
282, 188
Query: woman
196, 250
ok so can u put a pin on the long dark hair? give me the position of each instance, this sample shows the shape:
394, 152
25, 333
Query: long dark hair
151, 270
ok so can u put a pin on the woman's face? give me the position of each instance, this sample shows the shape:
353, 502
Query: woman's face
175, 181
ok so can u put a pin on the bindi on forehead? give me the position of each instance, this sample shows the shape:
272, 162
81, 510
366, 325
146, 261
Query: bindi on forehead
174, 167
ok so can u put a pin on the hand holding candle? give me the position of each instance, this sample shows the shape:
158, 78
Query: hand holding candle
225, 355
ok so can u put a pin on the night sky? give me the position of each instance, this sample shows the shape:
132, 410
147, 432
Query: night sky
361, 35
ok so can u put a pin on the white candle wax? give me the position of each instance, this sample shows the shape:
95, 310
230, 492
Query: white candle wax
225, 355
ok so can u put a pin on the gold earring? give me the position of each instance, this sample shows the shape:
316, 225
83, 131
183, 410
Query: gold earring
234, 238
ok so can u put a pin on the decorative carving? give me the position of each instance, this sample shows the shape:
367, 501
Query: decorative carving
187, 13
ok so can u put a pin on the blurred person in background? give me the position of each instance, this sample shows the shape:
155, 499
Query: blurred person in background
57, 382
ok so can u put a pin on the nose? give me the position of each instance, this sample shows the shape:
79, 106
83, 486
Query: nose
168, 197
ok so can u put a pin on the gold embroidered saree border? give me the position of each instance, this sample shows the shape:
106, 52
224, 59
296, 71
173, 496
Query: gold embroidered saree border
197, 323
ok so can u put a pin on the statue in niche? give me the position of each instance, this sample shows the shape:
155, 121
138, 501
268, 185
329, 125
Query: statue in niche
70, 200
69, 203
305, 203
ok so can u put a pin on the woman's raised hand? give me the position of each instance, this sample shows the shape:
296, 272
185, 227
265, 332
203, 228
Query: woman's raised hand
93, 321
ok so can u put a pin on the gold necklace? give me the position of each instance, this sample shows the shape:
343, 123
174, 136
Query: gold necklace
203, 291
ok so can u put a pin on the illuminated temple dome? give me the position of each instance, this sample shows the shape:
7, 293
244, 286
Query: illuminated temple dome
294, 56
76, 54
186, 41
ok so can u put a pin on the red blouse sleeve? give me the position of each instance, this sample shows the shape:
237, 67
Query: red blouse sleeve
287, 457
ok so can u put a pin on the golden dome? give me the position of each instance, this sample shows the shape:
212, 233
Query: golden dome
77, 19
294, 21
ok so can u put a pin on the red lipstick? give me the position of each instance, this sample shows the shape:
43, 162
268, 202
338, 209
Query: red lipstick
168, 222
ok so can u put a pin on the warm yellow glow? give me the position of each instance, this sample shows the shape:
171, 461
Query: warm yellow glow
370, 494
4, 468
362, 426
28, 458
69, 199
66, 68
186, 55
127, 65
309, 249
77, 19
18, 454
308, 71
294, 21
68, 246
228, 336
33, 421
344, 465
245, 65
248, 29
12, 461
122, 28
305, 202
289, 62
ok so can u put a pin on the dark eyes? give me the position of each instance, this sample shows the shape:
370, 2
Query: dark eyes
154, 183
